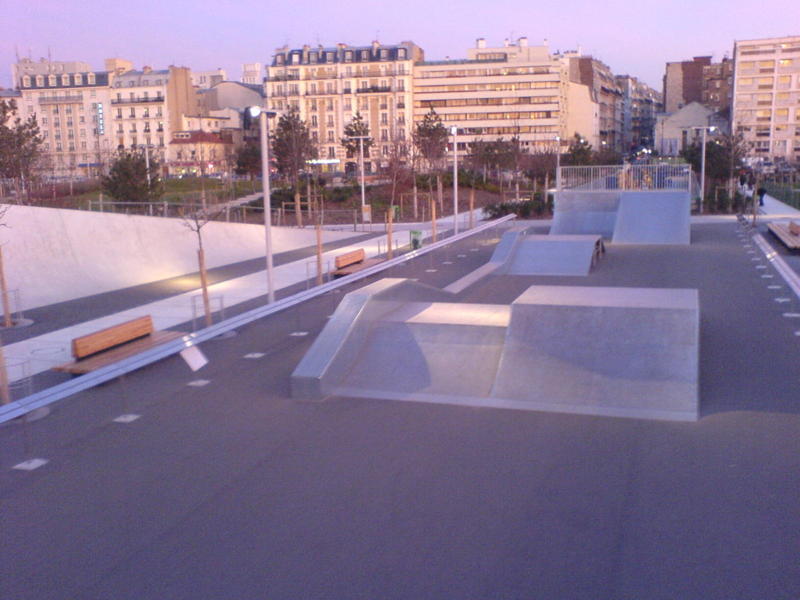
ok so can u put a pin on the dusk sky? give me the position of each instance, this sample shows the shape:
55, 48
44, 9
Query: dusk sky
631, 37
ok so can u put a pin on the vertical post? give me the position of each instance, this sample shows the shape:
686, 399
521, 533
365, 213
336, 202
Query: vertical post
201, 259
147, 165
361, 161
389, 222
7, 322
433, 219
703, 172
471, 207
319, 251
558, 165
264, 126
454, 131
5, 392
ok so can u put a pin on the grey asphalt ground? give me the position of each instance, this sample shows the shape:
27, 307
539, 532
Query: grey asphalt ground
233, 490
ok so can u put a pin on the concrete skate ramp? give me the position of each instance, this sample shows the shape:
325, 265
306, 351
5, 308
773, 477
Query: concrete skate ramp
578, 212
653, 218
625, 352
629, 352
52, 255
634, 217
553, 255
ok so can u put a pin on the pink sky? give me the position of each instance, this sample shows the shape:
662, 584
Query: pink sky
631, 37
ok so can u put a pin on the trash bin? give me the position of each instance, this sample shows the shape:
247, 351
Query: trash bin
416, 239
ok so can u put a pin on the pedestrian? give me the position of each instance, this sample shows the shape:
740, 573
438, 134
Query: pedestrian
761, 193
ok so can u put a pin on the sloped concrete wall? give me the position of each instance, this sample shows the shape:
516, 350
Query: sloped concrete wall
631, 352
653, 218
52, 255
585, 212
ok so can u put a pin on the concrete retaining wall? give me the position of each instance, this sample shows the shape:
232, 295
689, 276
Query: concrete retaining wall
52, 255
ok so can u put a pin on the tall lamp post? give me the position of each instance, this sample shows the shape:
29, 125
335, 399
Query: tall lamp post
454, 131
361, 139
703, 164
263, 117
558, 163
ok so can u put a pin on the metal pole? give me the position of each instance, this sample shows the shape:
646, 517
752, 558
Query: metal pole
558, 166
147, 164
455, 180
264, 125
361, 160
703, 172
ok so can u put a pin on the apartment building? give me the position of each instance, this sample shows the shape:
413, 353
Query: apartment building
640, 104
252, 73
330, 85
206, 79
766, 97
148, 105
515, 90
683, 82
717, 86
71, 105
605, 90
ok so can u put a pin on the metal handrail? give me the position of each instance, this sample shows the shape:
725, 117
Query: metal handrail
58, 392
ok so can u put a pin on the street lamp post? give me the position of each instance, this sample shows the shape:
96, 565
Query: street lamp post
454, 131
264, 115
558, 163
361, 139
703, 164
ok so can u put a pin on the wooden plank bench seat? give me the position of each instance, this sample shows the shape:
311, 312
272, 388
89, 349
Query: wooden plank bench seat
352, 262
113, 344
789, 233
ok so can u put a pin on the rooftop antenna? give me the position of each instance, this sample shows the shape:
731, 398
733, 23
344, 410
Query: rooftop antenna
16, 52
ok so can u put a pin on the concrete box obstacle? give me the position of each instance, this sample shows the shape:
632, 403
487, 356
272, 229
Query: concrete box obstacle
627, 352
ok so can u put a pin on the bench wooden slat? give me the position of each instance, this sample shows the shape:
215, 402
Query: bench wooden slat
111, 336
350, 258
108, 357
784, 234
357, 267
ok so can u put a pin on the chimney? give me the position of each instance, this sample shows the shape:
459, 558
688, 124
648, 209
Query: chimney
147, 69
506, 43
523, 42
480, 43
375, 45
544, 42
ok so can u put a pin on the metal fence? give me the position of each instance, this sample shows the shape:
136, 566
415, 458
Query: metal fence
625, 177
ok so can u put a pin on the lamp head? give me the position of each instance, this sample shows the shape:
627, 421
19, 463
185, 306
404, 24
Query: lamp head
254, 111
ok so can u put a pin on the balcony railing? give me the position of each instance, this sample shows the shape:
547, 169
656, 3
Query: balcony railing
60, 99
141, 100
374, 89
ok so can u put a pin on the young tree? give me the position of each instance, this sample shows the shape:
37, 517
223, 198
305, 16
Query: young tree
579, 153
430, 138
20, 147
195, 222
292, 147
127, 179
248, 160
356, 128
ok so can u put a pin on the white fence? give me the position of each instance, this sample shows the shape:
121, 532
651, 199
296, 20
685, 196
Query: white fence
625, 177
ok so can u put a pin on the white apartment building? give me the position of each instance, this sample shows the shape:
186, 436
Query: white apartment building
72, 109
252, 73
148, 106
766, 97
515, 90
329, 86
206, 79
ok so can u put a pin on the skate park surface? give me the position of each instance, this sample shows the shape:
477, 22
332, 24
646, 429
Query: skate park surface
234, 489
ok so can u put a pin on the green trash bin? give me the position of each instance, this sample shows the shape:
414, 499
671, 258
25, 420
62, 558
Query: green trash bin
416, 239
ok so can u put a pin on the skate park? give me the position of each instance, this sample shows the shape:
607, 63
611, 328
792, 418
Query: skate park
245, 459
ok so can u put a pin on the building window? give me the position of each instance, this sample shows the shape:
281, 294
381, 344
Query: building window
26, 81
65, 79
330, 120
331, 137
78, 79
90, 79
331, 151
40, 81
51, 81
314, 120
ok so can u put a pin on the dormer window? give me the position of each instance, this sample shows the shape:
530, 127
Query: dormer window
401, 53
78, 79
52, 81
365, 55
40, 81
26, 81
65, 79
312, 57
90, 79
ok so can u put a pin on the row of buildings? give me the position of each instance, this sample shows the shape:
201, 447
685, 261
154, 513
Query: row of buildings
192, 121
755, 94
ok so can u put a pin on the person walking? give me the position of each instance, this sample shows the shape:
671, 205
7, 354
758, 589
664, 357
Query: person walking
761, 193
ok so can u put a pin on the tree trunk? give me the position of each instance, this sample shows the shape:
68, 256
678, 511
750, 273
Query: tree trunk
319, 251
471, 208
5, 392
433, 219
389, 222
416, 205
298, 212
7, 322
201, 260
440, 192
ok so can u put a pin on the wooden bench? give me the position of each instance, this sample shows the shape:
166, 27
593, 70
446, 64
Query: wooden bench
789, 233
352, 262
113, 344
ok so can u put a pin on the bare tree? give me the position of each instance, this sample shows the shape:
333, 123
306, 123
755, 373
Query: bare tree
195, 222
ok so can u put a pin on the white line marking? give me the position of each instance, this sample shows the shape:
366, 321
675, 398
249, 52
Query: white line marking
298, 333
782, 300
431, 270
199, 382
766, 276
774, 287
462, 256
792, 315
127, 418
31, 464
447, 262
254, 355
761, 266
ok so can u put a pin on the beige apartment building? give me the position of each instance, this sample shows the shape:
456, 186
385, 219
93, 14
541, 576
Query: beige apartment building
148, 106
515, 90
766, 97
330, 85
71, 105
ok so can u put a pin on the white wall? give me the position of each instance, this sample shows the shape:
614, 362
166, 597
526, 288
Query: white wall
51, 255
